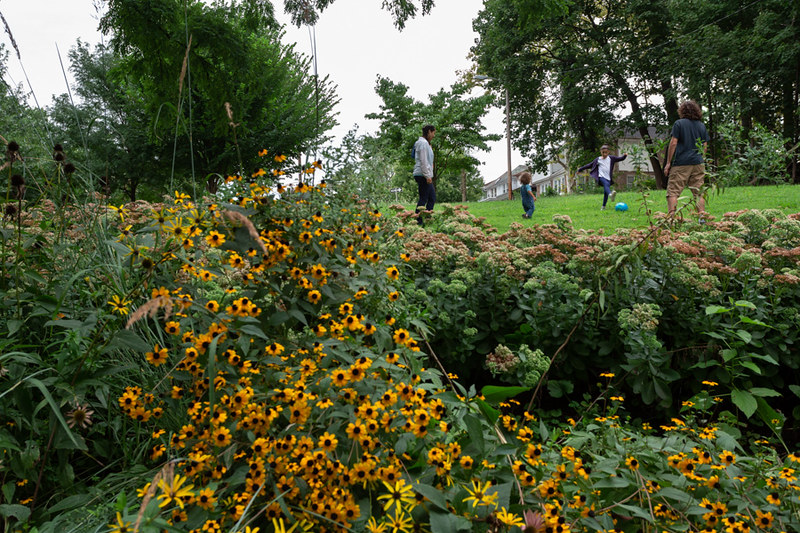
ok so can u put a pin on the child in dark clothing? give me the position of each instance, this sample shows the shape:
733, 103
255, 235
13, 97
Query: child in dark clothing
528, 194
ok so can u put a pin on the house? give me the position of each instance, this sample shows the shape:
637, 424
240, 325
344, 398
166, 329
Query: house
497, 189
560, 175
625, 173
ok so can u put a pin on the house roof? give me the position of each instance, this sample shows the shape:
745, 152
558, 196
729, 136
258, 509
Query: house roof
503, 178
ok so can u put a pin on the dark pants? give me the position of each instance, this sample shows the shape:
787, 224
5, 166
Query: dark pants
427, 196
606, 189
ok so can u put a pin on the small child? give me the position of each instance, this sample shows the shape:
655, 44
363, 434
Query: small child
528, 194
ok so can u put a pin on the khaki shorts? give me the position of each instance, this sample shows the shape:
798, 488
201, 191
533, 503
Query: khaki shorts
685, 176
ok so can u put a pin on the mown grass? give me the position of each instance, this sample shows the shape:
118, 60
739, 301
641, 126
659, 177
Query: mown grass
584, 209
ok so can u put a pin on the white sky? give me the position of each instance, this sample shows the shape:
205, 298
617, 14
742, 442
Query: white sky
356, 41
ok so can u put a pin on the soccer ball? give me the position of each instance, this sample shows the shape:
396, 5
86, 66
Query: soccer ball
621, 206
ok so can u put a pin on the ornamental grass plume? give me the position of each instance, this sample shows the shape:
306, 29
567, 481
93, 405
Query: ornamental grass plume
251, 229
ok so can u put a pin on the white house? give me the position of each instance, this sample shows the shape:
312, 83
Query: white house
497, 189
559, 169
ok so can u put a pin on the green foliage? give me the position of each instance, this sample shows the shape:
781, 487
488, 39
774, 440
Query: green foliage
291, 318
630, 304
305, 12
459, 134
580, 71
755, 158
209, 106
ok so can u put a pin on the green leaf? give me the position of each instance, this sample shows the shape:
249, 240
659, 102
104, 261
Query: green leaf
70, 502
751, 366
764, 393
57, 412
795, 389
745, 401
278, 318
488, 411
494, 394
674, 494
13, 326
433, 494
745, 303
747, 320
560, 388
20, 512
254, 331
448, 523
716, 309
69, 324
475, 430
615, 482
744, 335
126, 338
637, 511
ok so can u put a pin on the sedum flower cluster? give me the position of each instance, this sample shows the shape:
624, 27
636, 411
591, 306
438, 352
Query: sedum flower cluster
526, 367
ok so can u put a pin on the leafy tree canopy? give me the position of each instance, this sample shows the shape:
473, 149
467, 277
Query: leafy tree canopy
307, 11
216, 74
459, 135
580, 71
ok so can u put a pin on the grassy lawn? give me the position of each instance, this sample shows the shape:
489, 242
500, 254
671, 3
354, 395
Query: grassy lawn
584, 209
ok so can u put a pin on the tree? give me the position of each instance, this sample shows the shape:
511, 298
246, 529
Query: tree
585, 70
218, 76
307, 11
109, 131
459, 134
569, 71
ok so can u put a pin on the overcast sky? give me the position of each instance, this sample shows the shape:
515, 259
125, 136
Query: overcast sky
356, 41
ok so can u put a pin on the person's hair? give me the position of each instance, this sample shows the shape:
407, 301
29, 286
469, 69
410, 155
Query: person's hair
691, 110
525, 178
426, 129
605, 147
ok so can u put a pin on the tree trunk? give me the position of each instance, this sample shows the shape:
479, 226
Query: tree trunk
636, 110
463, 185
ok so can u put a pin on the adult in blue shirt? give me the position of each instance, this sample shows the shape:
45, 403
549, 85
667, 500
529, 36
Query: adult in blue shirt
687, 168
423, 171
602, 170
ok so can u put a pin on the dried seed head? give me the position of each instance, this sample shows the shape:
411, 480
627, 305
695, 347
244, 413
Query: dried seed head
11, 210
13, 147
69, 168
17, 181
58, 156
58, 148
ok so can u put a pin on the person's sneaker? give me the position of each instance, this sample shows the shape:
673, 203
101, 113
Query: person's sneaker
612, 195
602, 208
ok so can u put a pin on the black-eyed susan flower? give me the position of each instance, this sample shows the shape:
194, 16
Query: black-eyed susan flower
392, 273
120, 525
274, 349
314, 296
174, 491
157, 357
205, 498
727, 458
215, 239
478, 494
119, 305
221, 436
399, 495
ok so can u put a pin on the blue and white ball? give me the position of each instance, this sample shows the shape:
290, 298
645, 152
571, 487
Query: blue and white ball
621, 206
